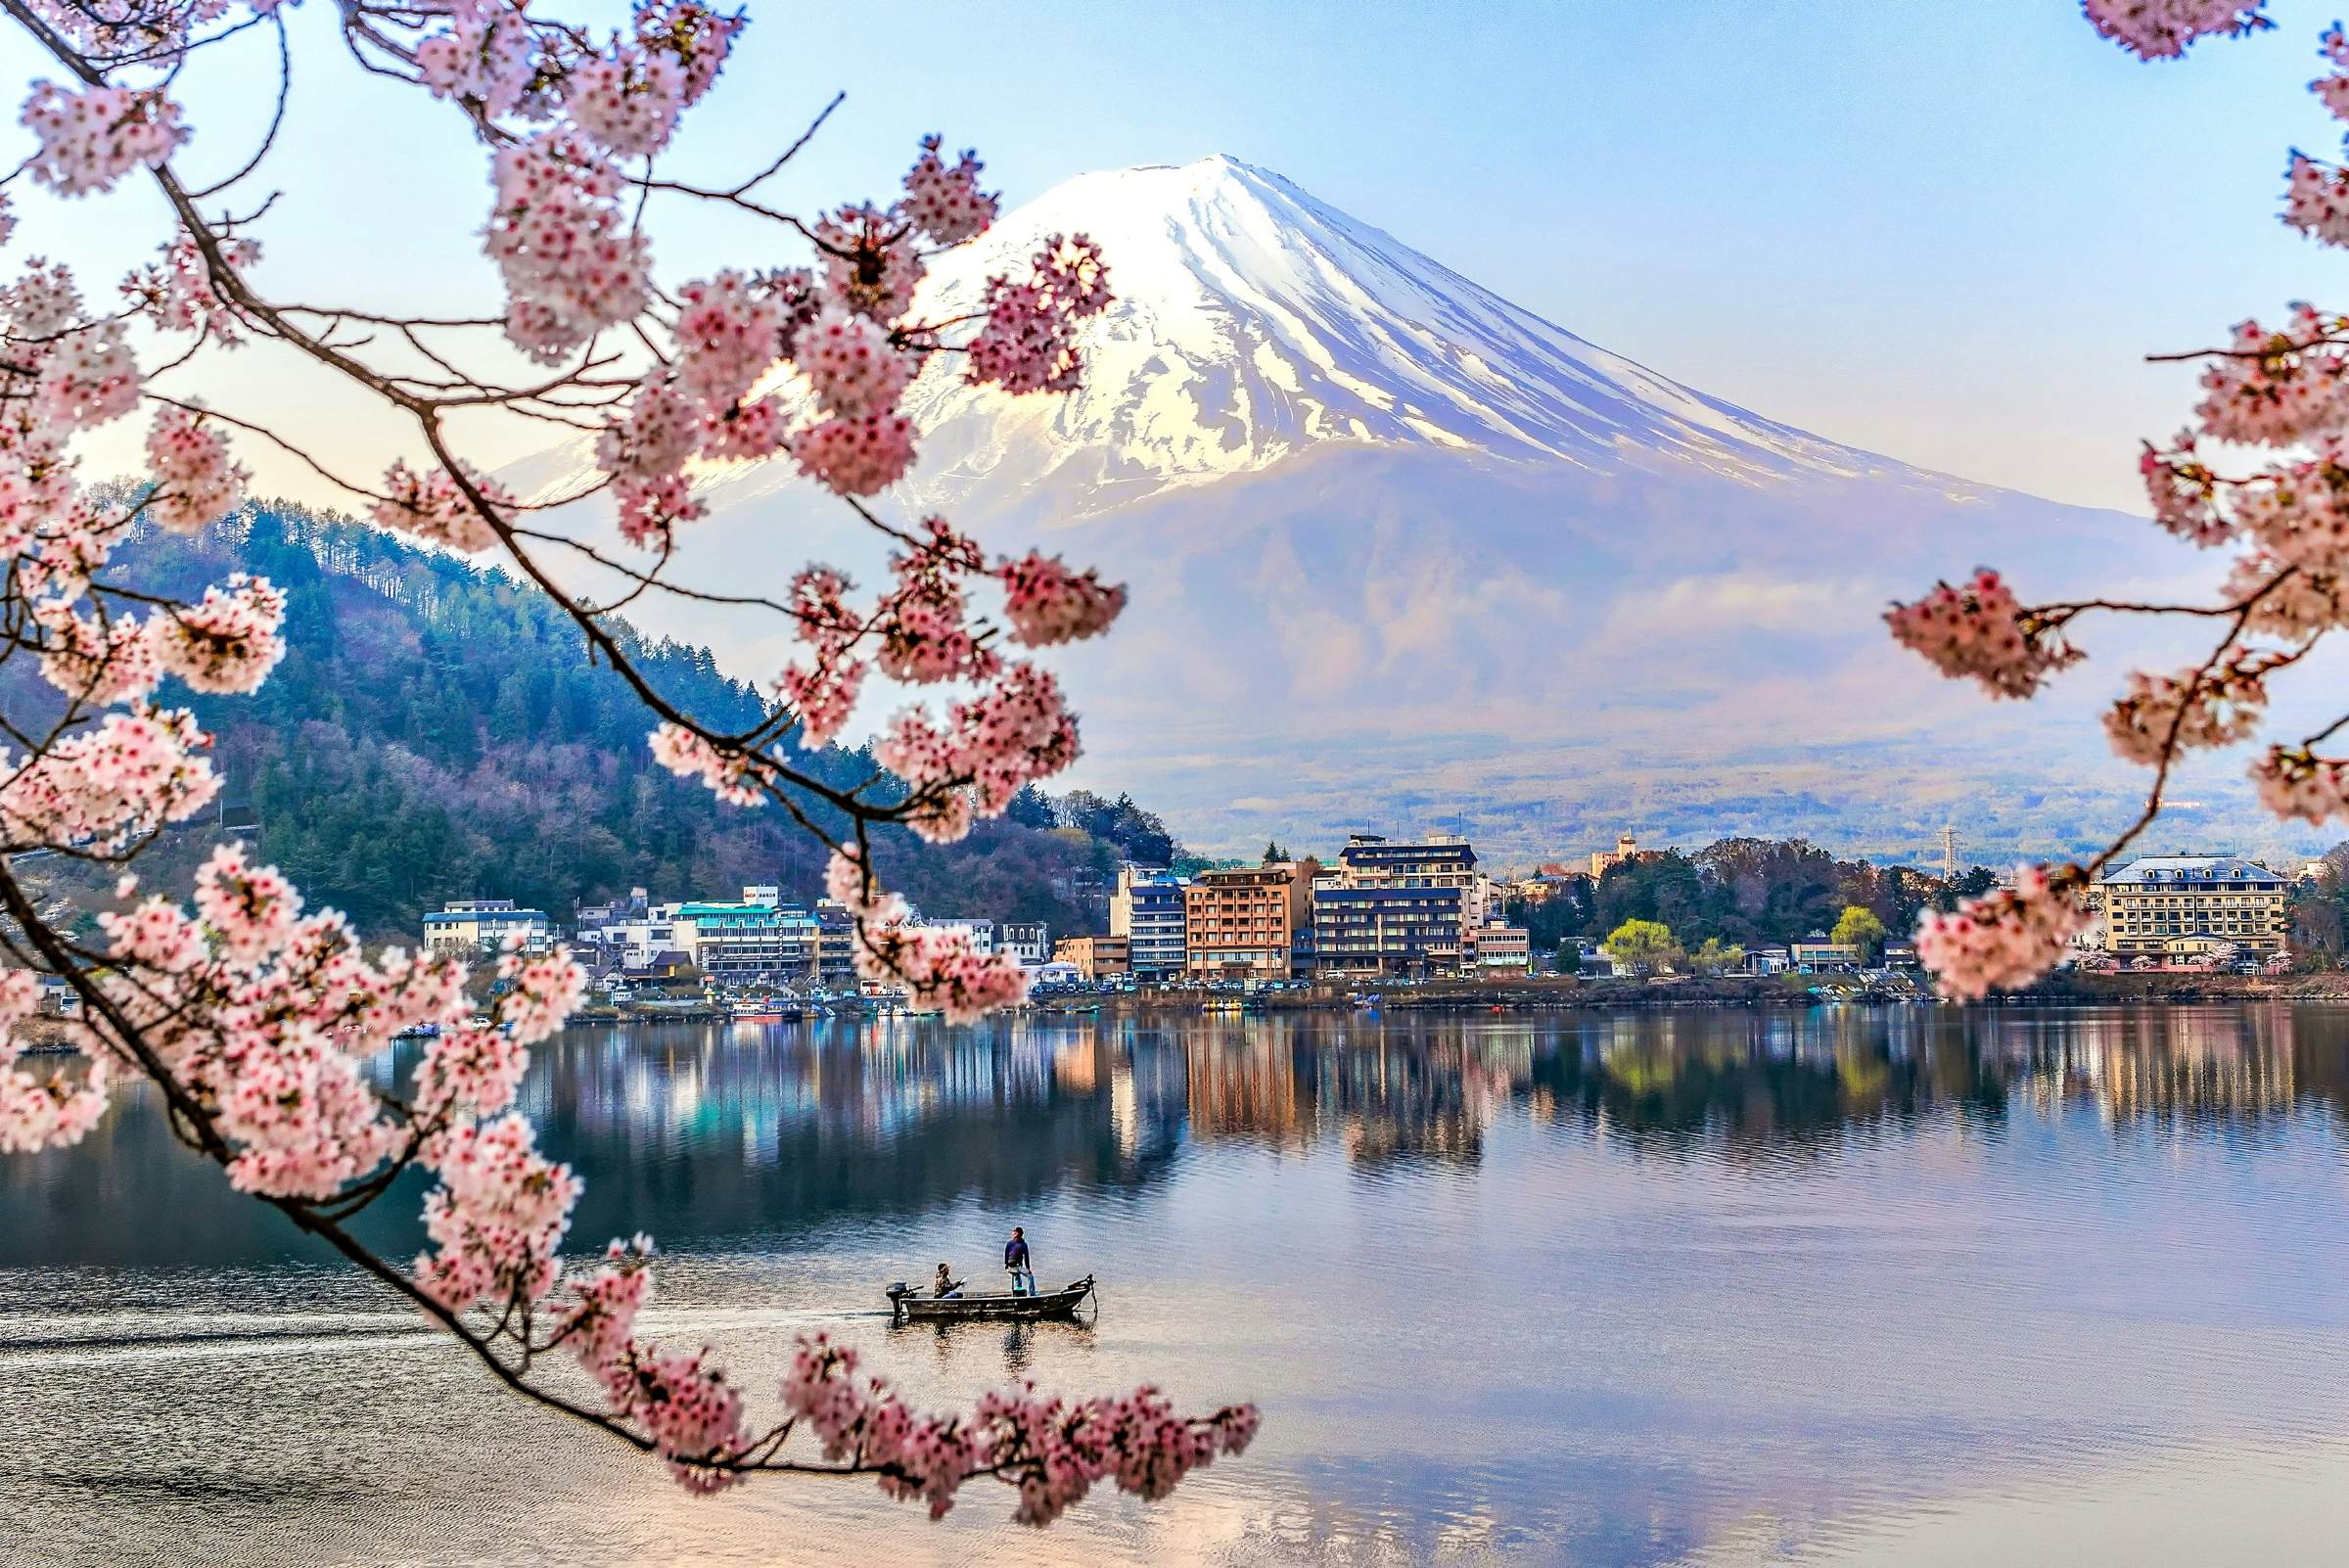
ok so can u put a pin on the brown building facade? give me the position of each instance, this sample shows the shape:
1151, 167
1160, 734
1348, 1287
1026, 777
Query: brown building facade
1239, 924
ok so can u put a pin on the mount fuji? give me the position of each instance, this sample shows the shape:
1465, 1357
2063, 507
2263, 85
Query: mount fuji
1405, 555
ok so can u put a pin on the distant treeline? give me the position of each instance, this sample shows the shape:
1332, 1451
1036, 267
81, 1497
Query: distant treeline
1748, 893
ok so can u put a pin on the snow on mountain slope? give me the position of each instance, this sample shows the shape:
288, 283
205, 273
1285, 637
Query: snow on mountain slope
1253, 322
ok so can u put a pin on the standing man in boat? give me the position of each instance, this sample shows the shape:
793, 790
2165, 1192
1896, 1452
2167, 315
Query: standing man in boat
1015, 1262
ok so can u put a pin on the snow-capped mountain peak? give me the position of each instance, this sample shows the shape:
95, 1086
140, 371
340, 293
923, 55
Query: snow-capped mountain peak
1253, 322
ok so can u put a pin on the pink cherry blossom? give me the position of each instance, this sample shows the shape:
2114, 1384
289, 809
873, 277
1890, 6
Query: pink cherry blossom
852, 365
730, 331
627, 102
944, 200
571, 265
2296, 783
432, 507
651, 508
498, 1217
92, 137
2008, 937
178, 293
731, 777
2333, 86
1982, 631
542, 991
658, 438
2316, 200
195, 483
2287, 601
869, 268
2185, 494
2162, 29
251, 911
47, 1111
1048, 603
119, 780
87, 378
470, 1069
486, 55
823, 697
696, 36
1028, 342
856, 456
2277, 387
2300, 510
746, 432
2188, 711
99, 664
228, 641
43, 303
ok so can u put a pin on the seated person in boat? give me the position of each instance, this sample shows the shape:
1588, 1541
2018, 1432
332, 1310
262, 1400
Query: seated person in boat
946, 1287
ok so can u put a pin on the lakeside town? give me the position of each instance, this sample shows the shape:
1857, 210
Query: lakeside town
1384, 912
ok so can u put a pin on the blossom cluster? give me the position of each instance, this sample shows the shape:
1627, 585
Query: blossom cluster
2162, 29
2294, 782
2008, 937
1012, 729
434, 507
1052, 1450
1980, 630
2194, 709
938, 968
37, 1113
91, 138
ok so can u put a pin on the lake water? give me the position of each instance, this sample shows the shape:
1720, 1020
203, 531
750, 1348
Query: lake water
1705, 1288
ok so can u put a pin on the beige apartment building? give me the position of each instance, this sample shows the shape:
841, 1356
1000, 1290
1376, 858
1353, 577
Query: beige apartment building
1238, 924
2185, 906
1095, 957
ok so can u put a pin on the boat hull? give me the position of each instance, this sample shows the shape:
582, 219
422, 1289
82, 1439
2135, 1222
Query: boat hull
913, 1307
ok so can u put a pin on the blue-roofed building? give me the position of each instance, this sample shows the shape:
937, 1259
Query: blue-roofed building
759, 942
2186, 907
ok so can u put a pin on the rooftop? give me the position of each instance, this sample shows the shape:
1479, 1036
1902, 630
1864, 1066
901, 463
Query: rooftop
2191, 868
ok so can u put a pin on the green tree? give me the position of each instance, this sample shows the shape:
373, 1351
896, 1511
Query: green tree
1641, 946
1715, 955
1860, 928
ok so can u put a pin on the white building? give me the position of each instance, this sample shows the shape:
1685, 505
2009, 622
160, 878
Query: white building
1028, 940
482, 926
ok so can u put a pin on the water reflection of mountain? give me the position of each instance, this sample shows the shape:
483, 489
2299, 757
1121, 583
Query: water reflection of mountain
724, 1137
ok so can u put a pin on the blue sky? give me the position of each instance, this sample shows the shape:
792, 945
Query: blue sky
1948, 231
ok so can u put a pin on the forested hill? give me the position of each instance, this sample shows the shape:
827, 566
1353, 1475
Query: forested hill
436, 730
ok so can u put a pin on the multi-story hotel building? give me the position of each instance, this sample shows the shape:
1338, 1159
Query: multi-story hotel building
2184, 905
1237, 923
1148, 909
1397, 909
759, 942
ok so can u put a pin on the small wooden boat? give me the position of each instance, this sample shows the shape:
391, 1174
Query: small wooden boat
912, 1307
